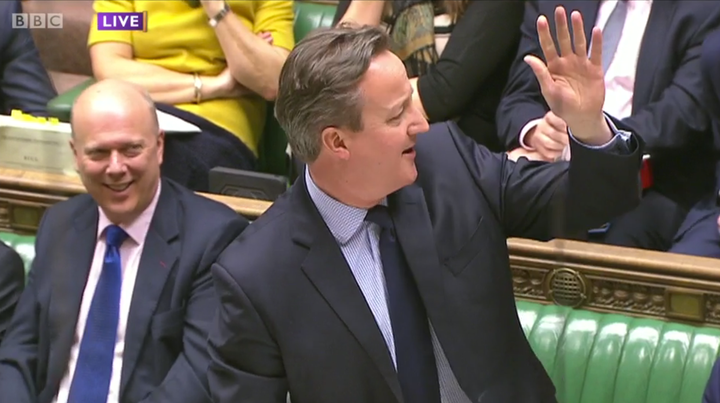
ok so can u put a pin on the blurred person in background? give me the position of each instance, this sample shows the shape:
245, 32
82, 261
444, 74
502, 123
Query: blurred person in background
24, 82
213, 63
456, 52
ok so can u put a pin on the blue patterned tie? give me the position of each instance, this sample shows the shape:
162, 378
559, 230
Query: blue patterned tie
416, 367
91, 381
612, 33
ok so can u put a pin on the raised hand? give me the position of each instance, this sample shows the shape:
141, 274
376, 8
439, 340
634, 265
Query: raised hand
571, 83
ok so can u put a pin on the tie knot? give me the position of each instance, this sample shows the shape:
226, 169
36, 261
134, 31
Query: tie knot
380, 215
115, 236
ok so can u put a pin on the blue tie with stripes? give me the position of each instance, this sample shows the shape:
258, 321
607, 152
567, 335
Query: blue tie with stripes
91, 380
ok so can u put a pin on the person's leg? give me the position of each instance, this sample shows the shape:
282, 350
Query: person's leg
699, 234
651, 225
188, 158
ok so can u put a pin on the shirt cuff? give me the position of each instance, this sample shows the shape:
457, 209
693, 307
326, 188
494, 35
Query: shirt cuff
620, 141
528, 126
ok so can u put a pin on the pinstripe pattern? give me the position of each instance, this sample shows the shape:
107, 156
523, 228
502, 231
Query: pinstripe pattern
359, 243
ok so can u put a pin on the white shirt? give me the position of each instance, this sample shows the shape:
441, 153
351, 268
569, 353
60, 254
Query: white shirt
130, 253
620, 75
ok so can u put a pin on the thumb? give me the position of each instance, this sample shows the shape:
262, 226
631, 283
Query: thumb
541, 72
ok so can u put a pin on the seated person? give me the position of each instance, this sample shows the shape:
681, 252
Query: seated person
462, 79
651, 86
118, 300
218, 77
24, 82
699, 234
12, 282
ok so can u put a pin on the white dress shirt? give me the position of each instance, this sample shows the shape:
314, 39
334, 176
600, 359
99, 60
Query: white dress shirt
620, 76
130, 253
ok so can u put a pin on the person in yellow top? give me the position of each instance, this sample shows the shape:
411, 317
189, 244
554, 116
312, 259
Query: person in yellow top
214, 63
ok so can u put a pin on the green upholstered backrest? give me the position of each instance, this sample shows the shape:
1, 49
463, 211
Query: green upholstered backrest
23, 245
611, 358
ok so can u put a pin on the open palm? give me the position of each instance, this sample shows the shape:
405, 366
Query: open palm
571, 83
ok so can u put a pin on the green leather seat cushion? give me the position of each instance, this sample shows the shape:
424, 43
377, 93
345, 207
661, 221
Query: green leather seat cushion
611, 358
23, 245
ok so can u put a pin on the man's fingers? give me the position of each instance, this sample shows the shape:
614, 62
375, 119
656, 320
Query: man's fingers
541, 72
546, 40
579, 34
555, 122
563, 32
597, 44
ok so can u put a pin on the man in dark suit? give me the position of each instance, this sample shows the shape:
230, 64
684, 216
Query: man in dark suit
12, 282
383, 275
24, 82
120, 295
651, 66
699, 234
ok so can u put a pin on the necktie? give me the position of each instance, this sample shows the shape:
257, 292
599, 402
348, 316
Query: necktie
91, 380
416, 367
612, 33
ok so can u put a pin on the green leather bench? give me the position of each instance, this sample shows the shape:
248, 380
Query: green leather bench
595, 357
272, 156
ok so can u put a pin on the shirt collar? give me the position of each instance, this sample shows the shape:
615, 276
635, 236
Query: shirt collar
342, 220
136, 230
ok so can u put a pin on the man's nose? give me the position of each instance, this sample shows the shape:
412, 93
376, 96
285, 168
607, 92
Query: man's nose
117, 162
419, 125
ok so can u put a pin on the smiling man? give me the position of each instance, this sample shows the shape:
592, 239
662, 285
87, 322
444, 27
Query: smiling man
383, 275
119, 296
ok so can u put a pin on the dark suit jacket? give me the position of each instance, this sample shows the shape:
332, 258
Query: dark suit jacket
165, 355
292, 316
710, 60
12, 282
24, 83
668, 112
712, 389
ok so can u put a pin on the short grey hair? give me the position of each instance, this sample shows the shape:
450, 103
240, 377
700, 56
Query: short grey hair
319, 84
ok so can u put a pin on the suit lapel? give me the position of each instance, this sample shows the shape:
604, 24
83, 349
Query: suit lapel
71, 258
652, 46
160, 252
414, 229
326, 268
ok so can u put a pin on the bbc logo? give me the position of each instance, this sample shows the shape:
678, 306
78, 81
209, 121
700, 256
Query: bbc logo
37, 20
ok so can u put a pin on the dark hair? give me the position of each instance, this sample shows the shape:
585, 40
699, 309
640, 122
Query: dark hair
319, 84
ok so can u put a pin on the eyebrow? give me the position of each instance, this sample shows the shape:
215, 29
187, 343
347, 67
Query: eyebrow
402, 102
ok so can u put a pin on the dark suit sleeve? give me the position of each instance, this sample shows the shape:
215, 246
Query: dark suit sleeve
246, 363
12, 282
24, 82
186, 382
522, 101
712, 389
669, 122
540, 200
479, 43
19, 349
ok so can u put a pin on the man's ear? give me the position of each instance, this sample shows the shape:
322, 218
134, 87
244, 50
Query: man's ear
160, 146
334, 140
